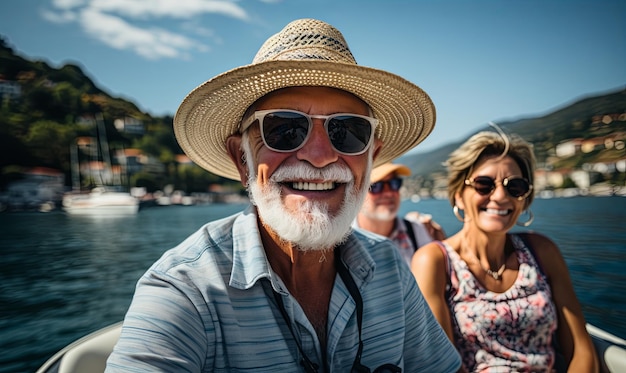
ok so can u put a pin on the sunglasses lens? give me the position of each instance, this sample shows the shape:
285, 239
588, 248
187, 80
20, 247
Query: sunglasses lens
284, 130
483, 185
377, 187
395, 184
349, 134
517, 187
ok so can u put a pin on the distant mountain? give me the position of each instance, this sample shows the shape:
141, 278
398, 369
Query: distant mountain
581, 119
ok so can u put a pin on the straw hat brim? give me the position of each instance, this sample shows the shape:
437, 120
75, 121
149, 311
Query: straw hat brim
213, 111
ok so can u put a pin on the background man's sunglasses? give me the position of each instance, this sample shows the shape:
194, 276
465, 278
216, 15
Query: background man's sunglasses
394, 185
516, 187
285, 130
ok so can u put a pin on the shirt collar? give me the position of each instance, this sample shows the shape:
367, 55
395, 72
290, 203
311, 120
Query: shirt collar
250, 261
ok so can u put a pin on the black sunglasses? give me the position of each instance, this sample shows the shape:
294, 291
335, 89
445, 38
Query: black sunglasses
394, 184
517, 187
285, 130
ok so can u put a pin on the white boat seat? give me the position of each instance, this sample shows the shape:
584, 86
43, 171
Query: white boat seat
92, 355
88, 354
611, 350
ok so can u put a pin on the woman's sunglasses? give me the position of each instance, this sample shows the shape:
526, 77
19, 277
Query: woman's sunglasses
394, 185
516, 187
285, 130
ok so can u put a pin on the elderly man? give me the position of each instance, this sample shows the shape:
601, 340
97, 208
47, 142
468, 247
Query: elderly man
379, 213
285, 285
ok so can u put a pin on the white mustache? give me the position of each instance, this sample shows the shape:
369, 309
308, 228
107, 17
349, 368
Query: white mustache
333, 173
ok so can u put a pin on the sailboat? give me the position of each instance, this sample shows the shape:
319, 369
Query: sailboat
103, 200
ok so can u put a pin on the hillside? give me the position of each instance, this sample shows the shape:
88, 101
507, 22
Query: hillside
44, 110
579, 120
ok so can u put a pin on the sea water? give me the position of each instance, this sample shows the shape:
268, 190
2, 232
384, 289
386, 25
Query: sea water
62, 277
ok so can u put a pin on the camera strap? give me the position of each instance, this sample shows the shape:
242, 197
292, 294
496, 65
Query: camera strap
309, 366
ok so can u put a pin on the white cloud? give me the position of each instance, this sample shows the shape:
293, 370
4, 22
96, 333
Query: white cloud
120, 24
67, 4
152, 43
169, 8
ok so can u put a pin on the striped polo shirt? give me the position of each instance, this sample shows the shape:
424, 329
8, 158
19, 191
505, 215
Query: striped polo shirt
207, 306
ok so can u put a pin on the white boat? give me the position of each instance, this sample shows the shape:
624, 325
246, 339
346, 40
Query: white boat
104, 200
101, 202
89, 354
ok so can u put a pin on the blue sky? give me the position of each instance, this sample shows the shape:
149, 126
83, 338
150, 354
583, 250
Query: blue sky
480, 60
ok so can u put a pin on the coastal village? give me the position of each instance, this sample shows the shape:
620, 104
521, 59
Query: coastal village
589, 179
43, 189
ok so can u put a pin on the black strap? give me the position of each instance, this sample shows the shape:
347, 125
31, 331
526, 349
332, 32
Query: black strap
356, 295
309, 366
411, 233
357, 367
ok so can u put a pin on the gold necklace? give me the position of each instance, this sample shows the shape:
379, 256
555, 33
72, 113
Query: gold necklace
495, 274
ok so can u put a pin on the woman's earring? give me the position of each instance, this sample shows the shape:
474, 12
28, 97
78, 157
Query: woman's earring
455, 209
528, 222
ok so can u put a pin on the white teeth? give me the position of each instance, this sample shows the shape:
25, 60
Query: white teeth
497, 212
302, 185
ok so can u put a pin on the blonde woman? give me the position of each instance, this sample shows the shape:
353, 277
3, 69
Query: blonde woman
503, 299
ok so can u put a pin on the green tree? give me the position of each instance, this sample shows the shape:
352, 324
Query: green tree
49, 142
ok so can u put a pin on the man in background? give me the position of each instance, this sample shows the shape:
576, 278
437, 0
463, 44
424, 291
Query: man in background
379, 213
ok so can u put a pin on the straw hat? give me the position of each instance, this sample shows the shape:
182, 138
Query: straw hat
381, 172
306, 52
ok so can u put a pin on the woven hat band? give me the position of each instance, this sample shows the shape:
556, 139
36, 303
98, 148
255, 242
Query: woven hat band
308, 39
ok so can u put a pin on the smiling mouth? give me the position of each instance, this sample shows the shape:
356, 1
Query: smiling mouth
311, 186
497, 212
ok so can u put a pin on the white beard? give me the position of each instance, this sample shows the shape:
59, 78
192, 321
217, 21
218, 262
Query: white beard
378, 215
311, 227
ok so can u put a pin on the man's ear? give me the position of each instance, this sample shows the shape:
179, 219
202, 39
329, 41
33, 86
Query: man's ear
378, 145
233, 147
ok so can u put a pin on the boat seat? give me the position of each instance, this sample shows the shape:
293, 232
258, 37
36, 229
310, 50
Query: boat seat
611, 350
92, 355
88, 354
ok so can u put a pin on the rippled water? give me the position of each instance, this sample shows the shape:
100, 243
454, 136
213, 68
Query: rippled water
62, 277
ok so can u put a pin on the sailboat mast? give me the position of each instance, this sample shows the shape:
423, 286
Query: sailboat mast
75, 167
104, 147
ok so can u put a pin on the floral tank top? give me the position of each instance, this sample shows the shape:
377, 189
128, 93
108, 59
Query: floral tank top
503, 332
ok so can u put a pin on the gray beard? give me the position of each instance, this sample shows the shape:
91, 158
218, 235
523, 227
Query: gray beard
311, 227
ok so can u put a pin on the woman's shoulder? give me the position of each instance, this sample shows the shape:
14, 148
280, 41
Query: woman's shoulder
433, 253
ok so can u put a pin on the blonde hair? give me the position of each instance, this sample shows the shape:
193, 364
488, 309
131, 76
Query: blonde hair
485, 144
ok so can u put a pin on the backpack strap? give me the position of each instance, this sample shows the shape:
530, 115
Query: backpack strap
411, 233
